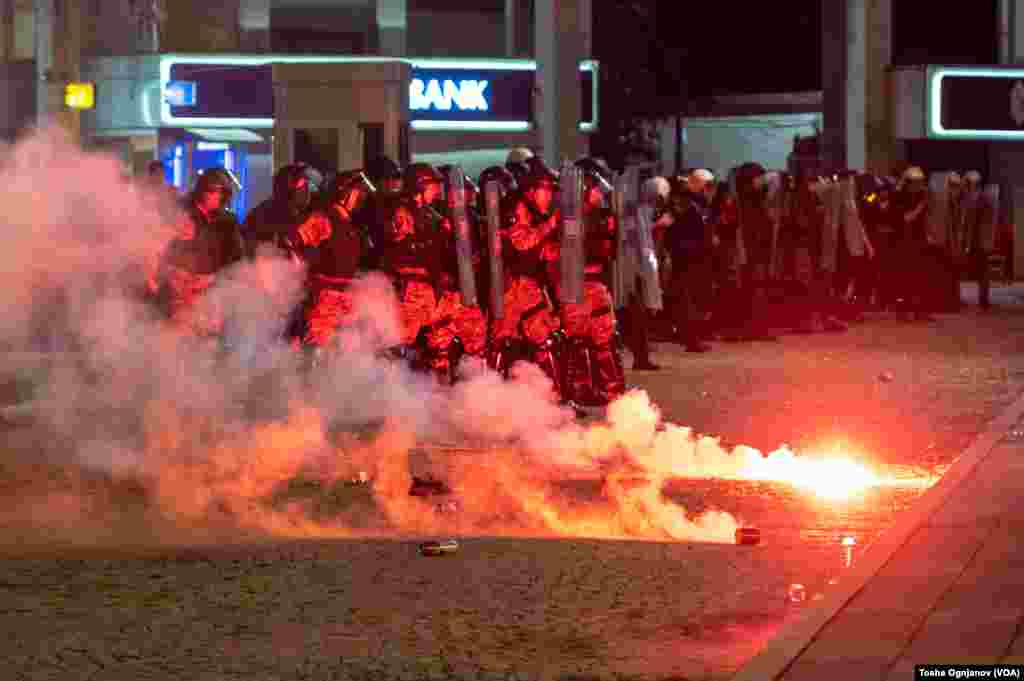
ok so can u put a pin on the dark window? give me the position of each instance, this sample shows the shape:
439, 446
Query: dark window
924, 32
373, 141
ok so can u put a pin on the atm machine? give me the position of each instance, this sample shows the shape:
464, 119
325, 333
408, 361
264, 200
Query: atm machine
185, 160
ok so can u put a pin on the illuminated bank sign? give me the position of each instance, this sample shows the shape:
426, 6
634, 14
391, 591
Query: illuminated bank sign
975, 103
444, 94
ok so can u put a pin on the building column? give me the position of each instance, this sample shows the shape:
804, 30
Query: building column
512, 11
518, 24
391, 28
1006, 159
254, 25
857, 50
559, 41
6, 29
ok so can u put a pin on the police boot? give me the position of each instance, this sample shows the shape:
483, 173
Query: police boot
577, 370
456, 352
440, 364
609, 378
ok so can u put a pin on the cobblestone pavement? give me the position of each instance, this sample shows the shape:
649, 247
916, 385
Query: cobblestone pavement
513, 608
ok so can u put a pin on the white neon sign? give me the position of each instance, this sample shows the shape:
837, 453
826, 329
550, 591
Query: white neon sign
936, 74
472, 96
466, 95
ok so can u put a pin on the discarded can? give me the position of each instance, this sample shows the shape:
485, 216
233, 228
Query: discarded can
797, 593
748, 536
886, 377
439, 548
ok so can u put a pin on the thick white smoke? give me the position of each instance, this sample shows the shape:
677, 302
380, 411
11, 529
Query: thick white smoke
213, 432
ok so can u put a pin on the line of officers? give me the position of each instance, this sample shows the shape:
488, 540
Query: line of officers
518, 265
529, 263
767, 251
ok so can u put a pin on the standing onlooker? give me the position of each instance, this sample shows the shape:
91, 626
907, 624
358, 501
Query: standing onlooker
910, 227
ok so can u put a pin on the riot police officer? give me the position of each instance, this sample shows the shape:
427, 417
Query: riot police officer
689, 245
289, 206
208, 240
463, 325
413, 253
373, 215
332, 245
526, 246
592, 367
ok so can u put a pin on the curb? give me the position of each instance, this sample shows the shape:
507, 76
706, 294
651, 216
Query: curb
790, 642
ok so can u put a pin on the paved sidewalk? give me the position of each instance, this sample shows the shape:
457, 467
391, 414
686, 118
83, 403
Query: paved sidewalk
944, 585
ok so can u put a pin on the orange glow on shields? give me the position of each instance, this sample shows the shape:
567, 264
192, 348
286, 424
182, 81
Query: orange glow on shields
835, 478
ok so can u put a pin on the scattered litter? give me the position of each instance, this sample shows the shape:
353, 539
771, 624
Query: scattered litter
427, 487
886, 377
363, 478
439, 548
748, 536
448, 507
797, 593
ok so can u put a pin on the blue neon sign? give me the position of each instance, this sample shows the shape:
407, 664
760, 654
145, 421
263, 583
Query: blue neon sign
180, 93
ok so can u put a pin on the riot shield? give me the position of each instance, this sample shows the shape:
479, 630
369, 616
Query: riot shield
463, 236
849, 215
648, 256
624, 268
968, 222
571, 259
773, 207
988, 217
827, 192
938, 208
492, 197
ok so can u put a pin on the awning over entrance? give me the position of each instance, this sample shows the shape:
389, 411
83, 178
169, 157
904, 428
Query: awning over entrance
229, 135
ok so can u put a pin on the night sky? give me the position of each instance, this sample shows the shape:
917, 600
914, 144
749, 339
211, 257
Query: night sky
738, 47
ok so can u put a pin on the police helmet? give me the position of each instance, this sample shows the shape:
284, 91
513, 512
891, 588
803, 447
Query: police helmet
518, 155
383, 168
217, 179
656, 189
596, 173
913, 174
418, 175
343, 183
506, 181
292, 178
699, 180
538, 174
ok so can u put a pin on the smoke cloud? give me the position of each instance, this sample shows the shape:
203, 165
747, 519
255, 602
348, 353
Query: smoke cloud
214, 432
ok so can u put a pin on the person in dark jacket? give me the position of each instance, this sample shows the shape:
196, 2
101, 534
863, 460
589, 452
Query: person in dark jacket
688, 241
208, 241
910, 230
